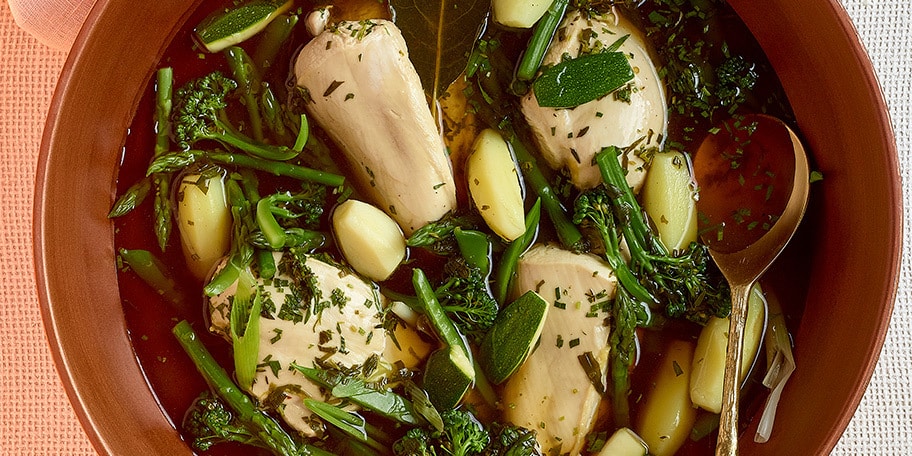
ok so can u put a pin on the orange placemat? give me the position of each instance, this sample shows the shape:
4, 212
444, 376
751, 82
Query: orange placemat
35, 414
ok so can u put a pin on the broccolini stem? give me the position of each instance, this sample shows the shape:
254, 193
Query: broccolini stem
623, 348
258, 422
541, 39
176, 160
506, 269
277, 153
436, 314
567, 232
274, 114
249, 82
162, 182
279, 168
152, 271
613, 175
272, 39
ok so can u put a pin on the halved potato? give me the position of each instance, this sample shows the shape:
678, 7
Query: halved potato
371, 241
668, 198
494, 185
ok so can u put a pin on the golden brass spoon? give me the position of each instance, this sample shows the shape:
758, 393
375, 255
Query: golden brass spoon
744, 257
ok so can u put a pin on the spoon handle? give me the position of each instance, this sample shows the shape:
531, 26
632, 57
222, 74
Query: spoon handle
727, 443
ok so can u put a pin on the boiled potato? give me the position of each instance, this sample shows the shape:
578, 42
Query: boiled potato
494, 185
204, 222
668, 198
519, 13
709, 357
371, 241
624, 442
668, 415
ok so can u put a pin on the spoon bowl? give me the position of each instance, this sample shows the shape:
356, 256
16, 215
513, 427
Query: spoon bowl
747, 256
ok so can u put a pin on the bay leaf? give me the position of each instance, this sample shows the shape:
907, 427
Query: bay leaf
440, 35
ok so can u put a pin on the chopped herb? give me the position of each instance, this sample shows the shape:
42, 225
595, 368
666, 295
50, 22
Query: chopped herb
332, 88
277, 336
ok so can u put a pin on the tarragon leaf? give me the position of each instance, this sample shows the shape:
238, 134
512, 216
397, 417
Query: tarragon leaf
440, 35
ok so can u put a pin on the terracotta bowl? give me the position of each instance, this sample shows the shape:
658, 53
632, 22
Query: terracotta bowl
854, 219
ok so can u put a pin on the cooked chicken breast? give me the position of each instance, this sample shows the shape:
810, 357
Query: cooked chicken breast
366, 94
317, 313
570, 137
552, 392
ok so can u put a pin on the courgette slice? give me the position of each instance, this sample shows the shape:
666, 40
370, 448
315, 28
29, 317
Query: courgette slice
231, 26
513, 336
448, 375
583, 79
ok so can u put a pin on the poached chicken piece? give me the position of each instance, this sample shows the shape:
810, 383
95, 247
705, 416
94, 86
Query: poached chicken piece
570, 137
365, 93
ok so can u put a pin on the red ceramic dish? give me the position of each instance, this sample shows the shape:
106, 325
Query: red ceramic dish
855, 216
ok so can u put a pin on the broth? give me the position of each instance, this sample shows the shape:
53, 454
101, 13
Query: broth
172, 376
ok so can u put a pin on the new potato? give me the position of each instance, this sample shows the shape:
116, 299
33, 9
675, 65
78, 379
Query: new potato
668, 198
204, 222
371, 241
709, 357
519, 13
494, 185
668, 415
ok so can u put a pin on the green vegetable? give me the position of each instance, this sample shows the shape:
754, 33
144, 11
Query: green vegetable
541, 39
448, 376
213, 422
438, 236
506, 270
568, 234
688, 285
249, 84
307, 240
200, 115
462, 434
351, 424
475, 247
284, 205
274, 37
583, 79
131, 199
245, 329
162, 182
383, 402
234, 25
513, 336
177, 160
451, 362
152, 271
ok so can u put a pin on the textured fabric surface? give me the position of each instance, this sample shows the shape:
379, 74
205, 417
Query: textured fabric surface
53, 22
35, 416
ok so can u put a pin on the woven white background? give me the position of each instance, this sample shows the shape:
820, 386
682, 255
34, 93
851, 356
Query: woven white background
883, 423
35, 417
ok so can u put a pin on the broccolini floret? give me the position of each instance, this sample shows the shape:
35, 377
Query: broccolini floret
200, 114
508, 440
209, 422
687, 285
466, 297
